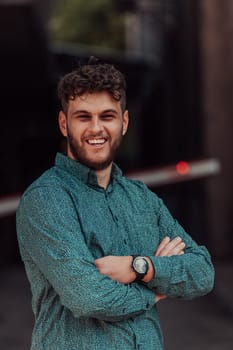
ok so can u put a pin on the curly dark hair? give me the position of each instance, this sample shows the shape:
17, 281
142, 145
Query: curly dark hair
92, 77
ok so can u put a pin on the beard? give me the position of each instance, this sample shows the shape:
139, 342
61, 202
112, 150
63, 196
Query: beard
81, 155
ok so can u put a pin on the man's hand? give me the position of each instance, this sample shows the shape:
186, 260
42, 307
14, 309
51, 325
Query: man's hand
168, 247
118, 268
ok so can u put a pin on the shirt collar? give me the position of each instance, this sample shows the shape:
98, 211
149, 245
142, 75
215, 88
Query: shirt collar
82, 172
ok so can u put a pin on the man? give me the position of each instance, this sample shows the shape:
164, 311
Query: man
100, 249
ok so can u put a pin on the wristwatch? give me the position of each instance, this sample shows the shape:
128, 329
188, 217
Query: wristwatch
140, 267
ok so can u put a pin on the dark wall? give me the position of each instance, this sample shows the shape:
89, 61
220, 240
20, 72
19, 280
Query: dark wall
163, 101
27, 101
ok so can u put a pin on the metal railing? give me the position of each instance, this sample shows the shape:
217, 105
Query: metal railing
182, 171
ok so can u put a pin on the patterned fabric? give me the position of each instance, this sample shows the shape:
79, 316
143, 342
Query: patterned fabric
64, 222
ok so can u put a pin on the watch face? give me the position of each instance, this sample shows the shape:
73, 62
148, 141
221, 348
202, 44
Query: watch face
140, 265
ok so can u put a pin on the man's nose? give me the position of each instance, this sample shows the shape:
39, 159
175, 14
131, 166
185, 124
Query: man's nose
96, 124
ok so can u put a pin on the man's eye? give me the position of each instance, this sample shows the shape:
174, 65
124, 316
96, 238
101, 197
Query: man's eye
83, 117
107, 116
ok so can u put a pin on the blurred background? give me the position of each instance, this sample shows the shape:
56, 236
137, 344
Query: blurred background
177, 56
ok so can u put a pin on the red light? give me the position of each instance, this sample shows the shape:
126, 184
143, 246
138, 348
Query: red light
182, 168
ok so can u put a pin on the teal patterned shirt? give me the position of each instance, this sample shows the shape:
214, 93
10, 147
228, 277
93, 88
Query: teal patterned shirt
64, 222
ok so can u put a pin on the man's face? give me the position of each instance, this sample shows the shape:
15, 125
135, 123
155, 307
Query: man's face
94, 127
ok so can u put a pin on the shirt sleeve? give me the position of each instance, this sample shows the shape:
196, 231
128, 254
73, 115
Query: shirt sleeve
48, 229
186, 276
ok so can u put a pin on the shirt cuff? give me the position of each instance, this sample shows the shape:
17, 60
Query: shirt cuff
162, 271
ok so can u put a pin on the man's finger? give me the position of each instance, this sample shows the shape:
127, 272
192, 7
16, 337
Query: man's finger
162, 245
159, 297
177, 250
172, 247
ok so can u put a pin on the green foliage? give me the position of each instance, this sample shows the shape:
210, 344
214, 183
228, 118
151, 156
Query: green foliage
93, 22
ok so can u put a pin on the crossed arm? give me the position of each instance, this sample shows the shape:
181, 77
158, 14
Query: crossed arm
118, 268
82, 286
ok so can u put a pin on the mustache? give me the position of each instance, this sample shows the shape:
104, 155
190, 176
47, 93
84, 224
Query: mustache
95, 135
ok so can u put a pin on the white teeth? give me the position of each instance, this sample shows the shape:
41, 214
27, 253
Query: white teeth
96, 141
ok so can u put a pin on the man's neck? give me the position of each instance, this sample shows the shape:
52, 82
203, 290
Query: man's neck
103, 176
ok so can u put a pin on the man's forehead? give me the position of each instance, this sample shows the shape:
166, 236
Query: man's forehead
94, 98
94, 103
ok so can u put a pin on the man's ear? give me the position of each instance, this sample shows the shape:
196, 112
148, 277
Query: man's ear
62, 121
125, 122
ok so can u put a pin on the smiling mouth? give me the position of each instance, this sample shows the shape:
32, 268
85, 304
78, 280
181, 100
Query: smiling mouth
94, 142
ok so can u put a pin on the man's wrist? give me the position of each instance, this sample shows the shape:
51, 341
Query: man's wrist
151, 271
143, 268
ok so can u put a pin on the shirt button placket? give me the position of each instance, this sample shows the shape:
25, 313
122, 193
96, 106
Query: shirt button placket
115, 218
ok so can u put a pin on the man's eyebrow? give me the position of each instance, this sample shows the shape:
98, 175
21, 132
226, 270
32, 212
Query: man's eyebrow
80, 111
110, 110
83, 111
